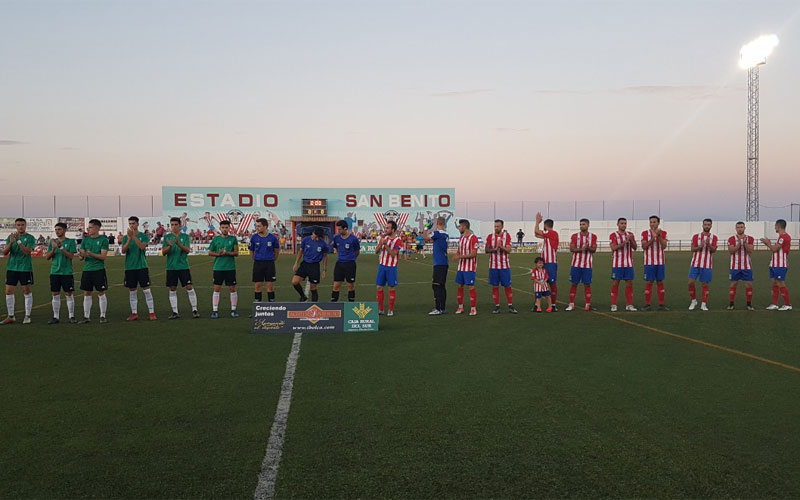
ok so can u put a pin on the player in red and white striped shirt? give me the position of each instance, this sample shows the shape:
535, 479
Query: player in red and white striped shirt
740, 247
704, 245
654, 241
549, 249
779, 265
583, 245
498, 246
467, 258
388, 248
623, 243
541, 287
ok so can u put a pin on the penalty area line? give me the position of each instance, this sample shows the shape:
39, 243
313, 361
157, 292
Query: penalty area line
265, 489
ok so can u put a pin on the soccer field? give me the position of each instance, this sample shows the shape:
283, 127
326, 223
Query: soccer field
580, 404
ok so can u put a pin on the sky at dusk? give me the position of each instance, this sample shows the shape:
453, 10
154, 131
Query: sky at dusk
502, 100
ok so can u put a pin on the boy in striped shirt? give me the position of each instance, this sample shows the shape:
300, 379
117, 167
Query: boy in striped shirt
467, 258
740, 247
549, 249
654, 241
388, 248
623, 243
541, 287
583, 245
704, 244
779, 265
498, 246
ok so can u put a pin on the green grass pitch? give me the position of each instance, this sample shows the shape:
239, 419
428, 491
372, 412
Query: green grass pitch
581, 404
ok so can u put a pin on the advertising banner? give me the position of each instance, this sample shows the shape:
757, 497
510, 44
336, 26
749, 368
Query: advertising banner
41, 225
322, 317
109, 224
74, 224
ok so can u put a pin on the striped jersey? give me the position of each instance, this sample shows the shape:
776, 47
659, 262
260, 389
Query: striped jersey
703, 258
780, 258
540, 277
623, 256
583, 259
654, 255
549, 246
466, 244
498, 260
741, 258
392, 242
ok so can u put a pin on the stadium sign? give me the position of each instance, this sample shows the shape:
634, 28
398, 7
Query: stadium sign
322, 317
365, 210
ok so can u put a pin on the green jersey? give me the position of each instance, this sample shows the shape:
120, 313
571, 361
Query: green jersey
229, 244
134, 257
177, 259
94, 245
61, 264
18, 261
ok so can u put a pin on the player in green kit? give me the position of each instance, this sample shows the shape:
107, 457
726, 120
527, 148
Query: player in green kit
61, 251
19, 246
134, 245
176, 247
94, 249
225, 247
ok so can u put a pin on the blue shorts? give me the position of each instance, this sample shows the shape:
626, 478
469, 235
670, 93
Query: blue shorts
580, 275
622, 273
700, 273
500, 277
552, 271
654, 273
741, 275
778, 273
387, 275
465, 277
539, 295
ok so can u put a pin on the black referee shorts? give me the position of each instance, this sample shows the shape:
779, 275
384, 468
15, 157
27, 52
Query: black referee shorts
263, 270
308, 270
345, 271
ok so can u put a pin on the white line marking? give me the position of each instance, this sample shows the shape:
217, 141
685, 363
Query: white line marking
272, 459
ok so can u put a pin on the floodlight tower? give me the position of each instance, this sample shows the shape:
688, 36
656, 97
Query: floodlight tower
751, 56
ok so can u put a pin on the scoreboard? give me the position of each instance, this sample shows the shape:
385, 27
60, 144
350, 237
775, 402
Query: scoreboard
315, 206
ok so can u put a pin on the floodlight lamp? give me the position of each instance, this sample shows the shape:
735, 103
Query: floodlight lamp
756, 52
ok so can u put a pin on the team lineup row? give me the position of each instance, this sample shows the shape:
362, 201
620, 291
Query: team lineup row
313, 253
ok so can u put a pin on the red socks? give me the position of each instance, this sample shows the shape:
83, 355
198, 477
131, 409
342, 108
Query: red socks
460, 295
661, 293
648, 293
692, 292
509, 295
380, 300
473, 298
775, 294
785, 293
573, 291
553, 293
705, 292
587, 293
496, 296
732, 294
614, 293
629, 294
392, 298
749, 294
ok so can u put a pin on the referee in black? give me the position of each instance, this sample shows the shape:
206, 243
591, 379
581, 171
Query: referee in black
347, 248
264, 247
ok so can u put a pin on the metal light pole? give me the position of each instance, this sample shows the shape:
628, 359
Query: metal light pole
751, 56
